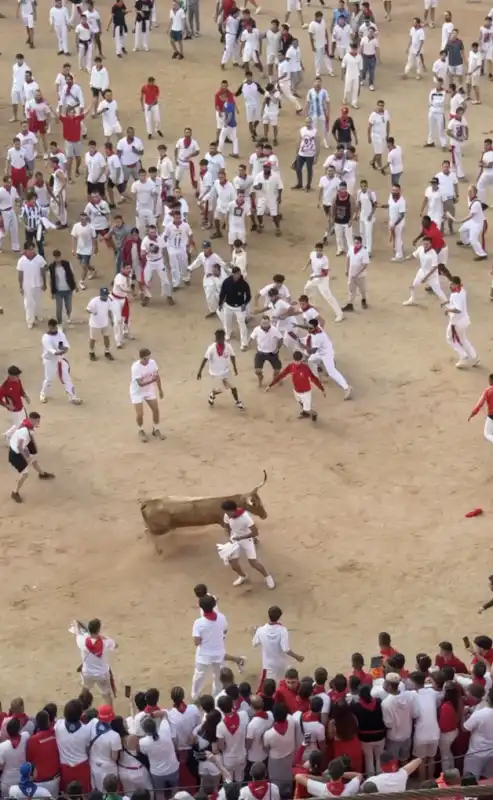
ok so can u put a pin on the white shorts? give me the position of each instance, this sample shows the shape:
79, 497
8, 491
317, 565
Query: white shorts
252, 113
425, 749
270, 118
430, 4
95, 332
474, 79
248, 548
109, 130
377, 143
140, 398
456, 70
103, 684
263, 205
224, 376
272, 58
28, 20
293, 5
17, 97
219, 120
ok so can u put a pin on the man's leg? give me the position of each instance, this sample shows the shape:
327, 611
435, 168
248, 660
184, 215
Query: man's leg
240, 318
333, 372
198, 680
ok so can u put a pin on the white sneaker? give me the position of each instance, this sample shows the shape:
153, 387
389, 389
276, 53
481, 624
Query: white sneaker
42, 398
259, 9
239, 580
477, 362
409, 302
396, 258
76, 401
462, 362
241, 664
348, 393
372, 88
270, 582
339, 318
326, 144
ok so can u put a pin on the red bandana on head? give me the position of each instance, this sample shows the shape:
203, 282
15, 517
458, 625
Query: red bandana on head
281, 727
232, 722
259, 789
95, 647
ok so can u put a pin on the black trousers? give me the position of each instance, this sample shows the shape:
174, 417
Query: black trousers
40, 243
300, 162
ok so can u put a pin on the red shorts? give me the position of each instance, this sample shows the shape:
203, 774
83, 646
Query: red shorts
19, 177
37, 125
81, 773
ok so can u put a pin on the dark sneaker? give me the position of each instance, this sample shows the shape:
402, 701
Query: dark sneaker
348, 307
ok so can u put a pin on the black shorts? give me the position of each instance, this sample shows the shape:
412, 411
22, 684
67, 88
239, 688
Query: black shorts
96, 92
327, 210
272, 358
18, 461
121, 186
96, 187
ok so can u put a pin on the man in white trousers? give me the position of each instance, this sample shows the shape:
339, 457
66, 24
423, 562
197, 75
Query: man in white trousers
319, 40
319, 279
121, 294
229, 129
234, 298
179, 241
208, 632
485, 177
415, 49
351, 66
436, 116
456, 336
8, 199
149, 102
366, 203
472, 227
358, 261
153, 247
320, 350
32, 282
317, 107
209, 261
284, 82
14, 399
427, 273
59, 22
458, 133
55, 346
397, 219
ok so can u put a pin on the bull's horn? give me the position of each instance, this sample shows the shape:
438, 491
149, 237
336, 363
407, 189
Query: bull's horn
256, 488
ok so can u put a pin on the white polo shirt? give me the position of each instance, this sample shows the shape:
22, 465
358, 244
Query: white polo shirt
234, 743
31, 269
267, 341
255, 731
394, 158
126, 153
211, 633
99, 312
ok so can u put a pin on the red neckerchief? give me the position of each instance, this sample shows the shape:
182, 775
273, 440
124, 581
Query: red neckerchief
335, 697
259, 789
261, 714
281, 727
368, 706
22, 717
310, 716
357, 248
386, 652
15, 741
479, 681
220, 348
95, 648
210, 615
336, 787
182, 707
391, 766
151, 709
27, 424
317, 689
187, 141
237, 513
456, 289
302, 704
232, 722
343, 123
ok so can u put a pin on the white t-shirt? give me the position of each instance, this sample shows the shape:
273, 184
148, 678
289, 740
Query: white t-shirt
219, 364
390, 782
293, 57
99, 215
319, 32
234, 743
308, 142
282, 745
178, 19
50, 343
94, 20
480, 726
329, 188
458, 129
160, 752
211, 633
394, 158
102, 748
435, 201
436, 100
396, 208
17, 158
99, 312
144, 371
273, 639
427, 258
84, 34
319, 265
353, 65
96, 166
99, 78
357, 261
378, 124
177, 236
31, 269
447, 29
267, 341
128, 157
319, 789
28, 144
417, 39
115, 169
19, 440
239, 526
73, 747
153, 248
19, 76
447, 184
145, 193
474, 62
184, 153
109, 111
183, 723
255, 731
366, 200
92, 665
369, 46
426, 724
476, 212
458, 300
11, 758
85, 235
440, 68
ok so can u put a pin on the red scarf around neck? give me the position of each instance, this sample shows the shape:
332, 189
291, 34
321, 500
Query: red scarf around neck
220, 348
210, 615
237, 513
317, 689
259, 789
261, 714
368, 706
391, 766
181, 707
336, 696
232, 722
302, 704
95, 647
281, 727
336, 787
151, 709
310, 716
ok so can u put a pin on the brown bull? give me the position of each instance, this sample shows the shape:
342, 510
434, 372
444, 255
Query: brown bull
165, 514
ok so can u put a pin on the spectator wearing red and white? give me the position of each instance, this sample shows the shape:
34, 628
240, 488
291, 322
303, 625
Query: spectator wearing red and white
94, 648
385, 645
149, 101
287, 690
399, 710
273, 640
447, 657
105, 746
208, 632
159, 745
12, 754
311, 727
358, 663
137, 714
73, 739
338, 688
258, 787
479, 757
449, 720
17, 166
340, 784
371, 727
260, 722
183, 718
426, 728
231, 737
482, 650
13, 397
16, 711
281, 742
391, 779
42, 753
321, 677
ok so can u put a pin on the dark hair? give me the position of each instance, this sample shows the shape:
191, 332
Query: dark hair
200, 590
94, 626
245, 690
206, 703
209, 726
484, 642
52, 711
140, 700
110, 784
275, 613
225, 704
418, 678
452, 694
86, 697
345, 722
149, 727
74, 789
119, 726
152, 697
320, 673
13, 727
364, 691
280, 712
292, 674
42, 720
269, 687
316, 704
423, 662
339, 682
73, 711
207, 603
354, 683
397, 661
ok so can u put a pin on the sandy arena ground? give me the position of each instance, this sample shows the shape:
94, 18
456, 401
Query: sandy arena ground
366, 527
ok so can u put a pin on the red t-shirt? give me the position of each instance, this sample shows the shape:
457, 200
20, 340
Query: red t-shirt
42, 752
453, 661
219, 102
287, 697
228, 6
365, 677
13, 391
433, 233
151, 93
448, 719
301, 376
72, 128
488, 657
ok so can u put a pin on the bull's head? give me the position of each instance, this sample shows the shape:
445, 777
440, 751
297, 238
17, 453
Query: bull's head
253, 503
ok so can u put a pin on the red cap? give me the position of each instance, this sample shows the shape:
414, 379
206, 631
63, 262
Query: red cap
106, 714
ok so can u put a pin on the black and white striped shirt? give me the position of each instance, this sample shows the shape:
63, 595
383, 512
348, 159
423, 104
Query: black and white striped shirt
31, 216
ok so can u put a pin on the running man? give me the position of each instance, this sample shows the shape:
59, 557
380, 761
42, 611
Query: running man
145, 386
